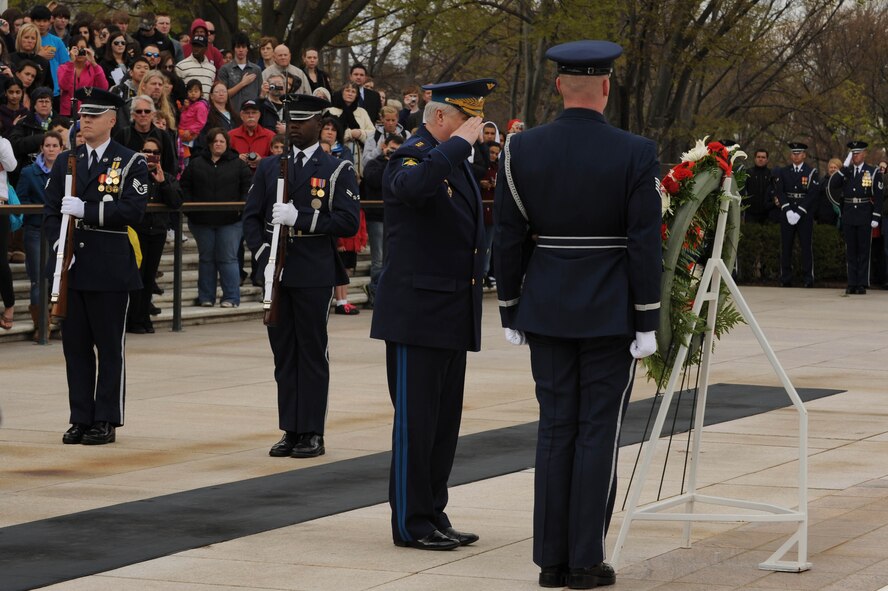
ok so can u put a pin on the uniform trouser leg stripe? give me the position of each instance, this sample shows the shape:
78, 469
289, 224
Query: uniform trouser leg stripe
613, 474
401, 443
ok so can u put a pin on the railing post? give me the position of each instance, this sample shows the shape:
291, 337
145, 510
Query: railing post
43, 318
177, 273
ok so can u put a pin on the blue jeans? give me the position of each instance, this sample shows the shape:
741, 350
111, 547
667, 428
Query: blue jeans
32, 260
217, 251
375, 237
488, 248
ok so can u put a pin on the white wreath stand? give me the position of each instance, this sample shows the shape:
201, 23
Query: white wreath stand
714, 274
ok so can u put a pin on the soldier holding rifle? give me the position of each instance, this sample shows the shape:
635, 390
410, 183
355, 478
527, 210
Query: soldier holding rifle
110, 193
316, 202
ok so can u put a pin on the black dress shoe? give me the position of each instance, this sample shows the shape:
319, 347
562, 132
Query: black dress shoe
282, 448
74, 434
464, 538
149, 328
588, 578
99, 434
786, 284
850, 290
434, 541
154, 310
136, 329
809, 284
308, 445
553, 576
860, 290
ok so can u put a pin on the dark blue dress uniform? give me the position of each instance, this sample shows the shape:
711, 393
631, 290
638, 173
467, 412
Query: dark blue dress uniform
103, 273
858, 191
428, 310
325, 193
797, 189
578, 263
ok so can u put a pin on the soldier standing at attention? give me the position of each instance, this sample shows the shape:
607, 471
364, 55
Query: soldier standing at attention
857, 189
428, 306
578, 264
796, 187
111, 193
323, 205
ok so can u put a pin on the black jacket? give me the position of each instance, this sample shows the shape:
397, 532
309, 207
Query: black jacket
227, 179
372, 187
26, 138
167, 193
134, 140
758, 195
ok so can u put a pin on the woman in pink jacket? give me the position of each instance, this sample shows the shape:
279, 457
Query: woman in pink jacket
82, 70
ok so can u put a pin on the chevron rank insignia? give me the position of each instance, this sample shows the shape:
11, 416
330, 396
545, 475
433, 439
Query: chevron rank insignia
409, 162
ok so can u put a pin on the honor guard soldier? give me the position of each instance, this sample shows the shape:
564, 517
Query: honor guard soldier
578, 264
322, 205
858, 190
428, 306
797, 189
111, 193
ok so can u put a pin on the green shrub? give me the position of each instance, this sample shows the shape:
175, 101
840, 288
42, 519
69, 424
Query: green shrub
758, 256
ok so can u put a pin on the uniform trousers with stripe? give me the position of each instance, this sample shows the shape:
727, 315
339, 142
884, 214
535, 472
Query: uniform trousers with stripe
301, 361
858, 243
583, 388
95, 326
426, 387
805, 231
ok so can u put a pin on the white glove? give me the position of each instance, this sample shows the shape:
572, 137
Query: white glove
284, 213
645, 344
874, 224
847, 161
792, 217
73, 206
516, 337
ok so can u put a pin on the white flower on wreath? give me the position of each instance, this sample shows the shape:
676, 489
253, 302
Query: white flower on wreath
665, 199
736, 153
698, 152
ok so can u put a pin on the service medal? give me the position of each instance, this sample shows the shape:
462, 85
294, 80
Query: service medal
804, 181
320, 192
315, 203
101, 188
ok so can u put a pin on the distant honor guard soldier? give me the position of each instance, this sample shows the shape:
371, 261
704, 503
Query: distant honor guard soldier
858, 190
428, 306
796, 188
578, 264
111, 193
322, 205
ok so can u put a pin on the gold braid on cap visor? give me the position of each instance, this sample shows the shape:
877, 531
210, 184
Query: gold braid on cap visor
473, 107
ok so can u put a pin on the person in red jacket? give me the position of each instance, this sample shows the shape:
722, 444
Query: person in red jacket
251, 141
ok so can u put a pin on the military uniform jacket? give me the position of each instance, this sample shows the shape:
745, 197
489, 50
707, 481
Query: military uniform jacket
796, 191
332, 212
116, 195
858, 196
577, 229
429, 292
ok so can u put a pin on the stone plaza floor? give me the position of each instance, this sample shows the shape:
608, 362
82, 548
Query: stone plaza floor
201, 413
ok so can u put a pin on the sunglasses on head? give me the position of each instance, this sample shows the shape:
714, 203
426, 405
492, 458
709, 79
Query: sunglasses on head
151, 54
142, 111
144, 151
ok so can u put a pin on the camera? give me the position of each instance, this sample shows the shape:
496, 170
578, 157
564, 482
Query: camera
252, 156
275, 87
75, 51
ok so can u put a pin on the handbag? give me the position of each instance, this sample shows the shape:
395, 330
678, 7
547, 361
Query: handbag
15, 220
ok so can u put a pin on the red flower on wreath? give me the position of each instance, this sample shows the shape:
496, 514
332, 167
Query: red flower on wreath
680, 173
670, 185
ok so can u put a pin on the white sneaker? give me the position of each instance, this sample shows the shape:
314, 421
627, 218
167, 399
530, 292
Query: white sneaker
171, 235
228, 304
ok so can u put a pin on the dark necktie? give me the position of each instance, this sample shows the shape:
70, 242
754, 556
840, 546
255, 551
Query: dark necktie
300, 156
93, 162
361, 98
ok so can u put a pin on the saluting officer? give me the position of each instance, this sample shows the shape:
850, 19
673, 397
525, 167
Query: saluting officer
796, 188
578, 264
323, 206
428, 306
857, 189
111, 193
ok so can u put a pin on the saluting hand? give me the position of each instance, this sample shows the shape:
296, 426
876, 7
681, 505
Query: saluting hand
469, 130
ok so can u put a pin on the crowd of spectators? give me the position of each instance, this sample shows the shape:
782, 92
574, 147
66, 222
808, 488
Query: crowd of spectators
207, 114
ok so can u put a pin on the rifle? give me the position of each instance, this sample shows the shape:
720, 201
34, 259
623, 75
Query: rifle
65, 250
278, 255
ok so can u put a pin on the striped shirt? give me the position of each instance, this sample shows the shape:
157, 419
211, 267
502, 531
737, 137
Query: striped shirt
204, 71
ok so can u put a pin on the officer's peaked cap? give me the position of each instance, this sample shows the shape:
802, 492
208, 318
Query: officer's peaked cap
857, 146
586, 57
95, 101
305, 106
468, 96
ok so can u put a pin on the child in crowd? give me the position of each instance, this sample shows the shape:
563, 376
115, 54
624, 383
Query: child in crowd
194, 111
277, 144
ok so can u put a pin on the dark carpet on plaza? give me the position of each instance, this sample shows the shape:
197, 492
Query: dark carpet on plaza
61, 548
